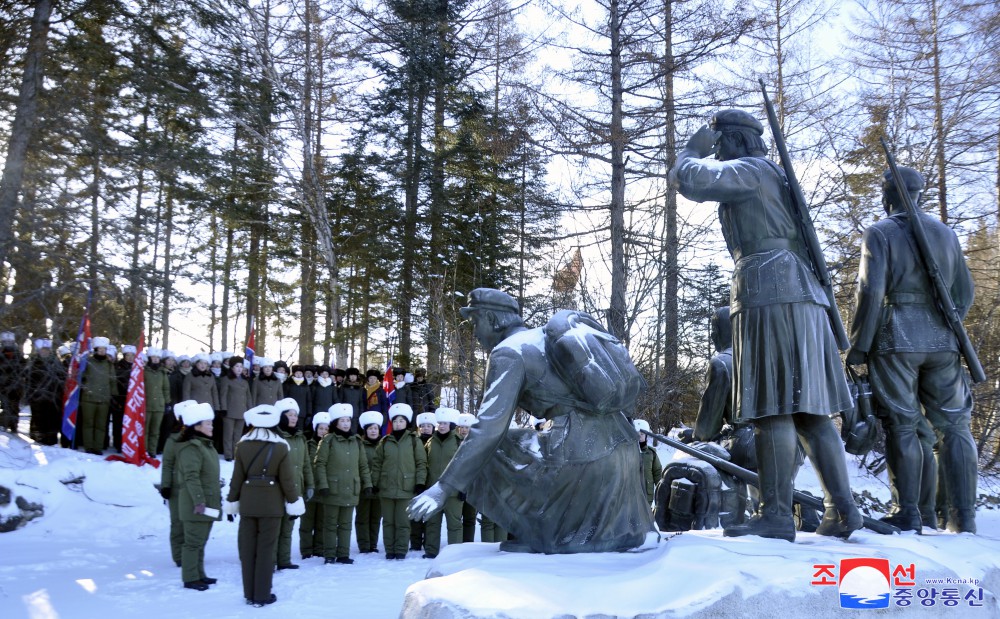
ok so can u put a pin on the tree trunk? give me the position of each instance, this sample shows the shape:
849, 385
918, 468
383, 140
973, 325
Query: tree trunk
168, 279
227, 289
940, 135
670, 242
134, 298
307, 297
616, 312
24, 122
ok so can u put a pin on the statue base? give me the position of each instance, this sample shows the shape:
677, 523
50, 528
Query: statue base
701, 574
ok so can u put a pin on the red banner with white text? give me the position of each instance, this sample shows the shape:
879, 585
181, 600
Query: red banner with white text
134, 425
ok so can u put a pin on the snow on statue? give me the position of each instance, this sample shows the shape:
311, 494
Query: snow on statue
573, 487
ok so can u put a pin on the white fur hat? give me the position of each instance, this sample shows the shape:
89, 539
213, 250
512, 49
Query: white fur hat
423, 418
408, 378
201, 357
445, 414
183, 358
641, 425
41, 343
6, 336
100, 342
369, 417
287, 404
215, 356
338, 411
168, 354
197, 412
262, 416
400, 409
467, 420
128, 348
181, 408
64, 350
154, 352
226, 354
112, 351
321, 417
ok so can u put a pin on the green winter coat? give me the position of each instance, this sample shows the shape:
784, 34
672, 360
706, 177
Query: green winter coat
267, 391
262, 493
341, 468
312, 447
439, 454
99, 381
651, 470
157, 385
399, 466
169, 460
298, 453
196, 477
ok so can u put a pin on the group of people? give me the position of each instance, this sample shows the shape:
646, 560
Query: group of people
333, 482
223, 380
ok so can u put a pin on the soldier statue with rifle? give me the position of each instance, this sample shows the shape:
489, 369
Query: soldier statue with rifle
787, 373
904, 330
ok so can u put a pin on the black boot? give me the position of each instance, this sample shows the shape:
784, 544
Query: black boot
775, 445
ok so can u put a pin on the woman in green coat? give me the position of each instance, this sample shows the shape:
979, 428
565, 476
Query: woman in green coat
262, 492
341, 476
399, 471
369, 515
652, 470
298, 454
167, 482
441, 447
312, 522
196, 478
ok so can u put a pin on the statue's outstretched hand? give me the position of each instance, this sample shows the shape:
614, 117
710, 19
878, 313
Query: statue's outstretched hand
428, 503
704, 142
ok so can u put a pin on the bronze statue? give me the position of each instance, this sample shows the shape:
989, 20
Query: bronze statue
572, 487
913, 358
716, 407
788, 376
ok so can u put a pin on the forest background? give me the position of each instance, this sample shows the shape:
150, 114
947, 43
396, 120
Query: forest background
345, 171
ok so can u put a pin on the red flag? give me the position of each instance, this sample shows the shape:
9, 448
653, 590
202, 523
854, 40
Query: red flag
249, 350
134, 424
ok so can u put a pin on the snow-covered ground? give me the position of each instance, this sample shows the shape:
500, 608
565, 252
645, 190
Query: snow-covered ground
101, 549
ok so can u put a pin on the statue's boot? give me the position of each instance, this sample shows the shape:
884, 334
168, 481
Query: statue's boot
959, 461
904, 482
775, 447
826, 452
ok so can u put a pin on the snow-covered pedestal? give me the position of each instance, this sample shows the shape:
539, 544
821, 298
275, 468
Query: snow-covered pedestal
702, 574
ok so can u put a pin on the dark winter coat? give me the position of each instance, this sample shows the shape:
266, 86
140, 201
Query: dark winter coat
342, 469
302, 394
323, 397
399, 466
45, 380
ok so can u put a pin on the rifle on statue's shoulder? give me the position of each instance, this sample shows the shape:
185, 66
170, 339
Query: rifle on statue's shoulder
751, 478
945, 304
806, 225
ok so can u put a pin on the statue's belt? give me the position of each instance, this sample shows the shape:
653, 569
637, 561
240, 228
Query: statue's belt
908, 298
759, 246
